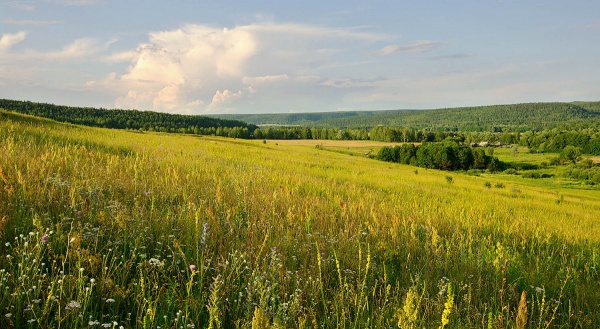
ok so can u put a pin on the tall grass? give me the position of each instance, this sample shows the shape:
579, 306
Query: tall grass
105, 228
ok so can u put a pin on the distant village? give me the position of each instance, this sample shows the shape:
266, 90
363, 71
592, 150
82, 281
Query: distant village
486, 144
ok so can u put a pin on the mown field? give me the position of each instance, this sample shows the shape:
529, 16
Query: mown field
107, 228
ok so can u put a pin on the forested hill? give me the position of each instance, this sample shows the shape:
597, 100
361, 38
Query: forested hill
123, 119
515, 116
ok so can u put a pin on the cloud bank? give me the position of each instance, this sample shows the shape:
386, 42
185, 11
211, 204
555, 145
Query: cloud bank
200, 69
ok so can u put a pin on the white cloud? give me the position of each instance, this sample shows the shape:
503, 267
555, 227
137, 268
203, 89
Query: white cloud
197, 64
167, 98
252, 83
223, 98
8, 40
317, 32
415, 47
78, 49
176, 69
19, 5
84, 49
264, 79
122, 57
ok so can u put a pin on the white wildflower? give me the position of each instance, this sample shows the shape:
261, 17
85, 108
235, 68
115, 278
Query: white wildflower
73, 304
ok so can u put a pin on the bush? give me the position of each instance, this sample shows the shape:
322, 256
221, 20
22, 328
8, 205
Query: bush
531, 174
473, 172
585, 163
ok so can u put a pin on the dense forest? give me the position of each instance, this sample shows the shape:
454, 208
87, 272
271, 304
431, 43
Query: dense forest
542, 127
132, 119
495, 118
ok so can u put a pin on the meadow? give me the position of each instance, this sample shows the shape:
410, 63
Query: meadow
109, 229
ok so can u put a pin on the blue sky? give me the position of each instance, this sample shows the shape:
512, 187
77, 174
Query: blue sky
201, 57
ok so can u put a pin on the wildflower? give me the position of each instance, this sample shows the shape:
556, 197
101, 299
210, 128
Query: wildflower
203, 237
44, 238
73, 304
193, 267
110, 300
155, 262
79, 212
8, 315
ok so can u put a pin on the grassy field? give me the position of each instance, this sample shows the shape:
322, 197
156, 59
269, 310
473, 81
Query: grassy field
107, 228
349, 147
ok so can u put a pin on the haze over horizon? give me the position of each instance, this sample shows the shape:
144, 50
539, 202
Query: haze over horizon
271, 56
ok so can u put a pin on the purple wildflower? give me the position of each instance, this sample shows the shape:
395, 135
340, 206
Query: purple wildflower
44, 238
193, 267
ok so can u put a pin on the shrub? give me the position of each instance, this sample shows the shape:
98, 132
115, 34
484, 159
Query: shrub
531, 174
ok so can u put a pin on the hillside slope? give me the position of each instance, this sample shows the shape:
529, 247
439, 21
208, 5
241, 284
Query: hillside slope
121, 119
515, 116
137, 229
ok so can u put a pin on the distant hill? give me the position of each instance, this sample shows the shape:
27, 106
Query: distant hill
515, 116
122, 119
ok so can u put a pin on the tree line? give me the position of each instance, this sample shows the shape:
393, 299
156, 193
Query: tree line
447, 155
584, 135
129, 119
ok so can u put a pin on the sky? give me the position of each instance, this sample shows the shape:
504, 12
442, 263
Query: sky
275, 56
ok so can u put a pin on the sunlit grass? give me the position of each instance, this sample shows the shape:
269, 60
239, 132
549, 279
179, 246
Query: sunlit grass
147, 230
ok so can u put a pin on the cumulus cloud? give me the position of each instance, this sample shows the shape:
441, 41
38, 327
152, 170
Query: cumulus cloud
8, 40
177, 68
222, 98
415, 47
202, 68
